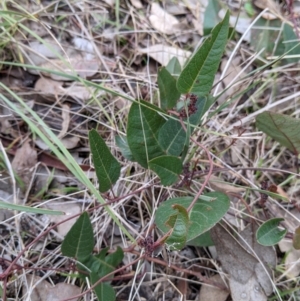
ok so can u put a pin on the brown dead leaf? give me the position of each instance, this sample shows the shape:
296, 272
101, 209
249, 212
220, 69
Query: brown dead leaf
41, 52
248, 279
36, 289
54, 87
271, 5
69, 209
292, 259
163, 54
70, 141
24, 161
73, 66
65, 114
281, 192
213, 293
161, 20
219, 185
137, 4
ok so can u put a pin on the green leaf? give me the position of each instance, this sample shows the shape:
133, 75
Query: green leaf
249, 9
268, 234
167, 89
106, 166
211, 18
106, 263
172, 137
79, 242
143, 126
282, 128
167, 168
104, 291
203, 240
296, 239
124, 147
179, 223
198, 75
203, 216
174, 67
291, 43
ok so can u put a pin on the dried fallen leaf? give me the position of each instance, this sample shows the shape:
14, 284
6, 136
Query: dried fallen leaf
24, 161
74, 66
219, 185
41, 52
36, 289
161, 20
54, 87
163, 54
137, 4
248, 279
213, 293
69, 209
70, 141
292, 259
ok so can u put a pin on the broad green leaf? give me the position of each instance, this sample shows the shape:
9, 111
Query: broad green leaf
143, 126
203, 216
167, 89
124, 147
79, 242
104, 291
179, 223
282, 128
167, 168
115, 258
291, 43
296, 239
108, 262
172, 137
198, 75
203, 240
268, 234
174, 67
106, 166
211, 18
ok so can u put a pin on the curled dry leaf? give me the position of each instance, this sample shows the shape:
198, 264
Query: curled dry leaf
24, 161
219, 185
137, 4
213, 293
161, 20
36, 289
69, 209
86, 47
248, 279
41, 52
75, 90
70, 142
65, 114
292, 259
74, 66
163, 54
274, 10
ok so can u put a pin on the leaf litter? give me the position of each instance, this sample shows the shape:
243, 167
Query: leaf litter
71, 108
